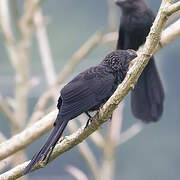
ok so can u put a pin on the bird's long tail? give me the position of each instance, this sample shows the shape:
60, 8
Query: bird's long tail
148, 95
48, 147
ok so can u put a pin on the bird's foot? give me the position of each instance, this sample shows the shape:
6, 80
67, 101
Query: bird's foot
89, 120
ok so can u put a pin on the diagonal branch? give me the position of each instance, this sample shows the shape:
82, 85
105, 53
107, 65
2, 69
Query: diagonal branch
170, 33
7, 111
76, 173
44, 48
30, 134
78, 55
113, 136
27, 18
130, 132
5, 162
173, 8
86, 152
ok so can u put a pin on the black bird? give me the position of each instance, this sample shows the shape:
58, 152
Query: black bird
86, 92
148, 95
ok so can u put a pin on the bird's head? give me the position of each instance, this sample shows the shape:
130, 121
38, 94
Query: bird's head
128, 4
119, 59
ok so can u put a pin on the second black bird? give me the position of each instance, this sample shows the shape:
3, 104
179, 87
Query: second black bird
86, 92
148, 95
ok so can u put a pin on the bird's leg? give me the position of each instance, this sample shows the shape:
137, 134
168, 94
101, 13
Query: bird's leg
89, 119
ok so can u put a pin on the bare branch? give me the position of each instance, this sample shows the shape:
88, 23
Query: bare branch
77, 173
116, 124
2, 137
112, 15
113, 136
7, 111
130, 133
5, 21
109, 37
170, 33
26, 137
7, 161
15, 15
39, 107
174, 17
27, 18
173, 8
79, 55
6, 30
86, 152
45, 52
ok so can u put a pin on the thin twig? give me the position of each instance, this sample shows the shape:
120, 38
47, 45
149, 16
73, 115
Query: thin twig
112, 15
27, 136
86, 152
170, 33
91, 43
173, 8
113, 136
7, 111
76, 173
130, 133
45, 52
6, 162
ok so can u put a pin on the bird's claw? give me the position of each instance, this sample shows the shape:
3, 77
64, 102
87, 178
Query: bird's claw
89, 120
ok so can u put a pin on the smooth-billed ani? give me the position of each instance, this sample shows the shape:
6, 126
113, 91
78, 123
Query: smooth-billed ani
148, 95
86, 92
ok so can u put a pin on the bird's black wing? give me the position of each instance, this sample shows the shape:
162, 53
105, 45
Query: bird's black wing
87, 90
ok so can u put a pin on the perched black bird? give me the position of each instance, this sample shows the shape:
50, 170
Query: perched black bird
148, 95
86, 92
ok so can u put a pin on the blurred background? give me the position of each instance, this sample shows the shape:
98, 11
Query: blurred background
154, 152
